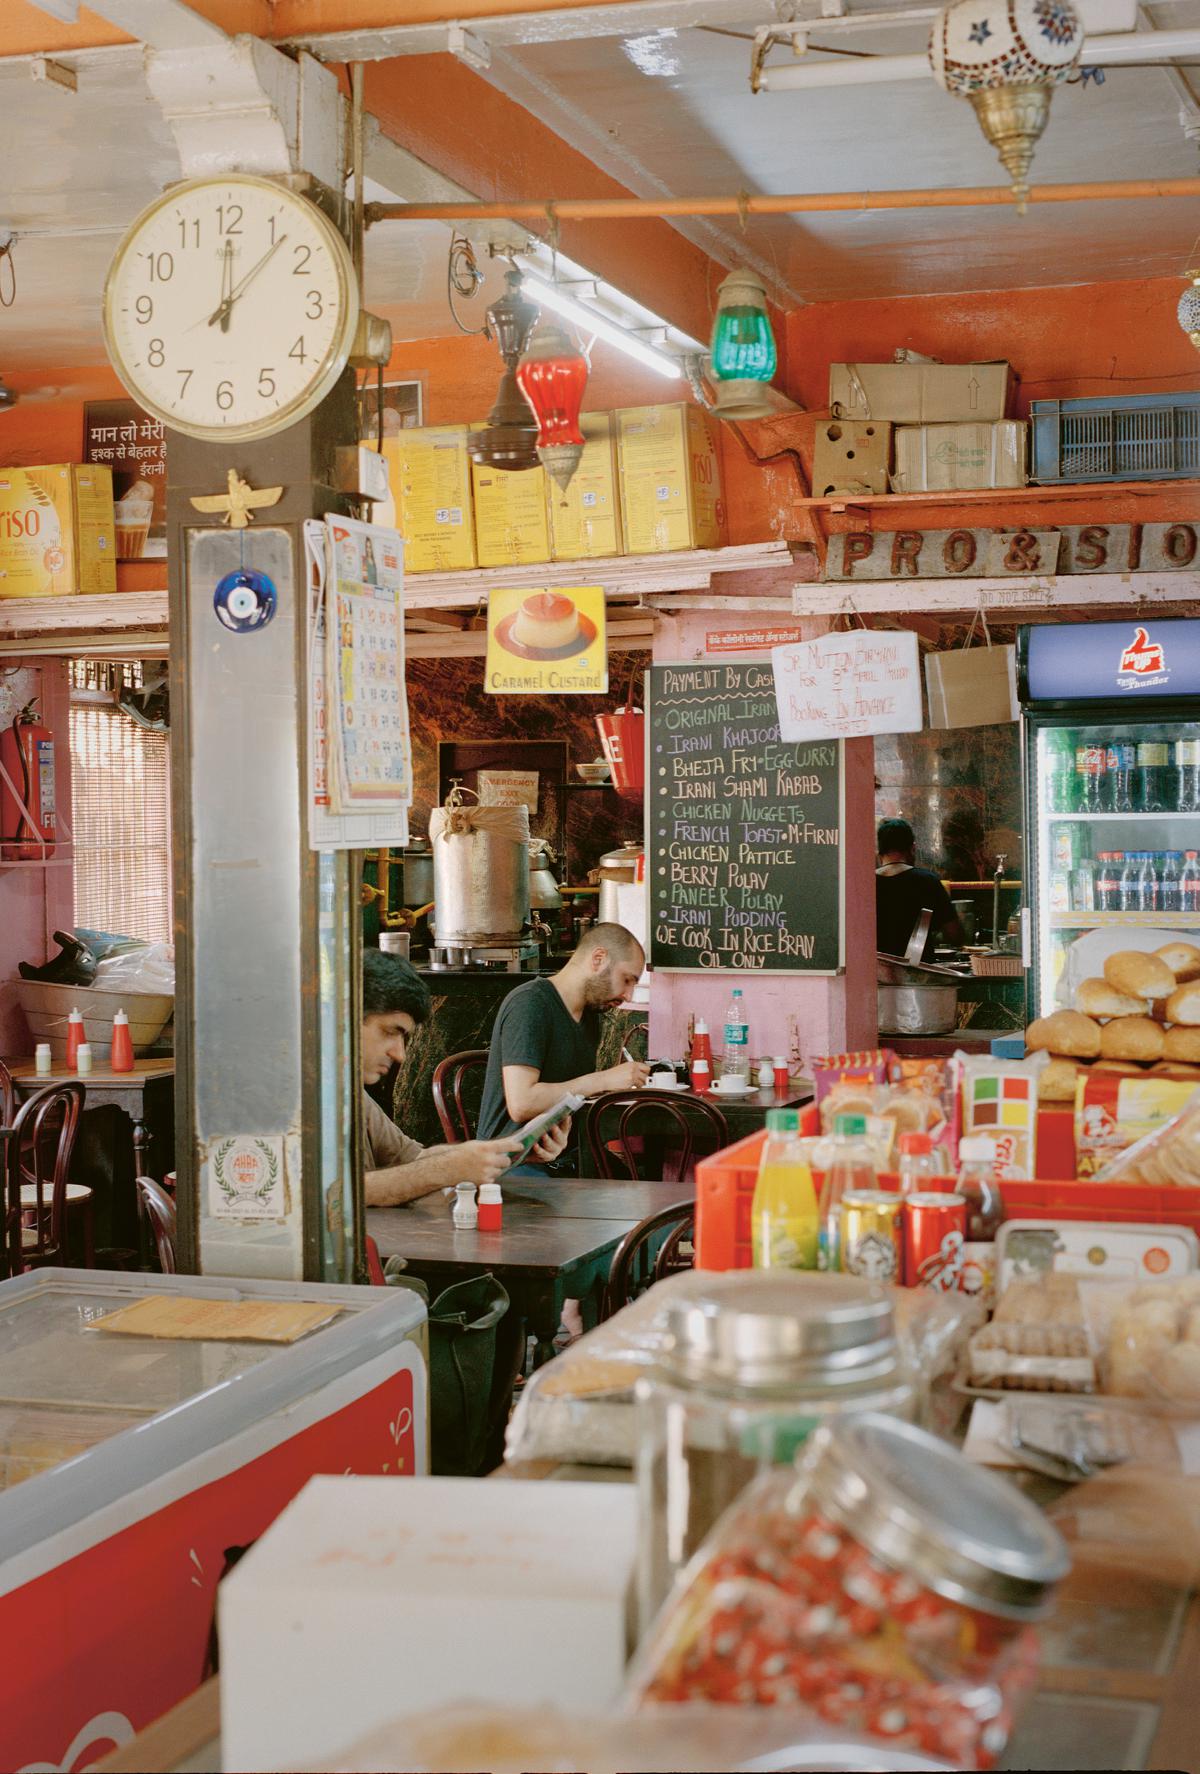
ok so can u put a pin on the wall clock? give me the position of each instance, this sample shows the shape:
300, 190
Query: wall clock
230, 307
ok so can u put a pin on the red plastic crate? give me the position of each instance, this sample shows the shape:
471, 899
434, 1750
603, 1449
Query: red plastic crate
725, 1194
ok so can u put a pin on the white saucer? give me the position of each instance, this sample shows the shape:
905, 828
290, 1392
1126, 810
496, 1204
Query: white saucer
660, 1083
719, 1089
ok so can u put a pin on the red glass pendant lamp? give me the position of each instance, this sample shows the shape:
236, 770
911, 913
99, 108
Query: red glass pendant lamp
552, 376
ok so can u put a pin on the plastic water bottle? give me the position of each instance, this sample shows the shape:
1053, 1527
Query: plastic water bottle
1170, 888
1189, 882
737, 1042
784, 1218
1147, 883
918, 1163
851, 1167
1128, 887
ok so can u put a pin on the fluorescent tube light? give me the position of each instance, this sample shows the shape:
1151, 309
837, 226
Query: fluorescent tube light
66, 10
549, 295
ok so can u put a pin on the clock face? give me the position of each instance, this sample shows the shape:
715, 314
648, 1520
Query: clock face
230, 307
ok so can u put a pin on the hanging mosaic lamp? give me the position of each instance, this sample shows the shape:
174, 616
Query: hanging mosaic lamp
1188, 311
1007, 56
509, 439
552, 376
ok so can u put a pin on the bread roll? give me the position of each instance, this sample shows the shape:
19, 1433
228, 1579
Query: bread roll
1183, 958
1095, 997
1132, 1037
1175, 1068
1139, 975
1181, 1043
1056, 1081
1066, 1032
1124, 1067
1183, 1006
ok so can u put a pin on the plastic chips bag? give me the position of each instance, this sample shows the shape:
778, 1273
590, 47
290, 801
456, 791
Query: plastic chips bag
783, 1607
1167, 1157
580, 1408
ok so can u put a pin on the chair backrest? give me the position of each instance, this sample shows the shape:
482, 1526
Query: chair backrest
161, 1212
44, 1130
628, 1273
458, 1093
8, 1097
673, 1131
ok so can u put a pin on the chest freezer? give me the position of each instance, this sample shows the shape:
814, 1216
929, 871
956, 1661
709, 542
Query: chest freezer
135, 1470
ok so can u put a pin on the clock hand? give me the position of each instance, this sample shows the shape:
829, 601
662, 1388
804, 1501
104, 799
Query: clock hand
226, 308
226, 285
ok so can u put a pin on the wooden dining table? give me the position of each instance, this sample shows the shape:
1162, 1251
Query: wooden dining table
556, 1243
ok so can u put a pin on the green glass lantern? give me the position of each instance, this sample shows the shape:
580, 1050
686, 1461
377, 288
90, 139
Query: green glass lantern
743, 345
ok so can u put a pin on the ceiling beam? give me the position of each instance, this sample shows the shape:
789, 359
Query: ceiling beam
160, 24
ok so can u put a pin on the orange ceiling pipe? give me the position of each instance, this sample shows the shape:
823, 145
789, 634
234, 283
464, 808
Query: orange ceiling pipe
584, 209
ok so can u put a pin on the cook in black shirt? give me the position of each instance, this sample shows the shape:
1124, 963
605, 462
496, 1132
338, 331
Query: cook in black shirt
903, 892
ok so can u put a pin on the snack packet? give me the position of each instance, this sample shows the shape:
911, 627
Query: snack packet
1168, 1156
999, 1099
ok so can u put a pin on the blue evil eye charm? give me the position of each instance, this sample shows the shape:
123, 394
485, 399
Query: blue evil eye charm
245, 600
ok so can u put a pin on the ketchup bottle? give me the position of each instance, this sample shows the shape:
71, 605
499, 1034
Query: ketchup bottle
74, 1039
701, 1042
122, 1044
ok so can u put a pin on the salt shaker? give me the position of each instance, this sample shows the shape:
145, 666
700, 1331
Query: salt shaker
766, 1075
83, 1058
466, 1214
42, 1063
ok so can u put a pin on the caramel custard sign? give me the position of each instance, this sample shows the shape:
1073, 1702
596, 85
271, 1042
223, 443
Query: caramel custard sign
995, 554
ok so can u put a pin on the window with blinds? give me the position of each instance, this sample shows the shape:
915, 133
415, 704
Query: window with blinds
121, 819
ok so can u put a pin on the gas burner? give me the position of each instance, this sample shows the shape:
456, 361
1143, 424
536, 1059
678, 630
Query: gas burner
501, 957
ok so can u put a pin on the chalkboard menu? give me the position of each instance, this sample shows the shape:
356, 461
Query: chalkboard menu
743, 833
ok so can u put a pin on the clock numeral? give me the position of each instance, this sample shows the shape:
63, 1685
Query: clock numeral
234, 214
271, 220
224, 395
157, 355
316, 306
144, 309
266, 382
303, 260
162, 267
186, 223
298, 352
187, 376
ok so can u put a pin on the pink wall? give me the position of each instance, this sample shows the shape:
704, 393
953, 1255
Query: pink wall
34, 901
787, 1012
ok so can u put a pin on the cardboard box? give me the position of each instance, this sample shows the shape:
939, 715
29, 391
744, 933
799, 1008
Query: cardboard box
936, 458
669, 459
851, 458
429, 476
585, 521
56, 531
921, 393
512, 523
972, 687
434, 1592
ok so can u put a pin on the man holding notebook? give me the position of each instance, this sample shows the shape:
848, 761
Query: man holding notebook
546, 1036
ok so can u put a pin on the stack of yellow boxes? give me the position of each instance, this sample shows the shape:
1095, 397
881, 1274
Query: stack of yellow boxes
56, 531
649, 482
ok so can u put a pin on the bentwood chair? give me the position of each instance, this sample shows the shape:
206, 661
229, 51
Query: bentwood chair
40, 1198
672, 1132
160, 1212
458, 1093
637, 1263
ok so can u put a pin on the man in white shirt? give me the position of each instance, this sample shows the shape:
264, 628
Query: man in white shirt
400, 1169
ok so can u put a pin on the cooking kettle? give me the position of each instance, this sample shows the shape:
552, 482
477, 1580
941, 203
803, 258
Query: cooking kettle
544, 894
616, 868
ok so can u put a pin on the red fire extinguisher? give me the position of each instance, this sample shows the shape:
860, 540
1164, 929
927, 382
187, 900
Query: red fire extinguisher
27, 760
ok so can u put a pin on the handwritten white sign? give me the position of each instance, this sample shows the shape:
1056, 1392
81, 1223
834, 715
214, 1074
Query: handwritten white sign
843, 686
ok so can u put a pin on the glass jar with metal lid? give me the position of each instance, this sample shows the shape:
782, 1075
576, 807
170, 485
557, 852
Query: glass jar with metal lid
750, 1366
889, 1585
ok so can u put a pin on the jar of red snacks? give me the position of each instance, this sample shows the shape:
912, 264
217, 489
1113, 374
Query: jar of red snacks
747, 1370
888, 1585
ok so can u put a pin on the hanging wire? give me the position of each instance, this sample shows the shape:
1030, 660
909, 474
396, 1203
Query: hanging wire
463, 279
7, 260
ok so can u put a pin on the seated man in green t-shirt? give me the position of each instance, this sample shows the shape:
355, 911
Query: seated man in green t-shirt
547, 1033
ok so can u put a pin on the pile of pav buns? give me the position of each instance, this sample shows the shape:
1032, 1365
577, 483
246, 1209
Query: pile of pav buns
1144, 1014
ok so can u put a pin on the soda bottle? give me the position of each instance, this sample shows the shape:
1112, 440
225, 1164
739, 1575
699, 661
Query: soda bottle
1083, 777
851, 1167
1060, 773
1101, 785
737, 1042
1189, 883
977, 1182
1122, 758
918, 1163
1150, 771
1083, 886
783, 1217
1170, 889
1187, 775
1108, 881
1147, 882
1127, 892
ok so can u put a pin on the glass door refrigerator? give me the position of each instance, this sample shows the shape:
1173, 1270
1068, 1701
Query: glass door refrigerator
1110, 751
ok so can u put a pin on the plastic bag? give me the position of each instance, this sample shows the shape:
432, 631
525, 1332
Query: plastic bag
1168, 1157
782, 1607
579, 1407
148, 969
1149, 1341
510, 1740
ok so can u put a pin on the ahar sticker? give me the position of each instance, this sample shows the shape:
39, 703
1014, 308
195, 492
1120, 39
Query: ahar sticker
245, 1178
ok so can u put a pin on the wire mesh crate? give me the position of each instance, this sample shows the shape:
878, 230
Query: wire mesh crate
1130, 437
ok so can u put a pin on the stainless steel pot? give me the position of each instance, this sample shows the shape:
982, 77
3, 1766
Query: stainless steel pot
480, 874
417, 863
544, 895
616, 868
915, 1000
